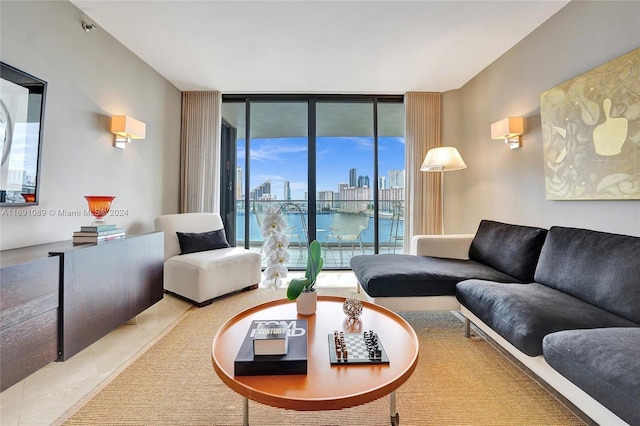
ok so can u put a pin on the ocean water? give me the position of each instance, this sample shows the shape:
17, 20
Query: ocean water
323, 222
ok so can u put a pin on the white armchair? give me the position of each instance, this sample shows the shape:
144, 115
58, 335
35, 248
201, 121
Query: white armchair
202, 276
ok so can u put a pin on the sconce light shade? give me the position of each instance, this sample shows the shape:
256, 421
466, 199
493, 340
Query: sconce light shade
508, 130
126, 128
442, 159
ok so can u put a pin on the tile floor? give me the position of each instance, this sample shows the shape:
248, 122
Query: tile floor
47, 394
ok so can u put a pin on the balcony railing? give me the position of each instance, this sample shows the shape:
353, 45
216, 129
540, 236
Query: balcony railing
345, 228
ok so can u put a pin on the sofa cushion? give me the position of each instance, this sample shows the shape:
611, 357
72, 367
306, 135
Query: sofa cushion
193, 242
512, 249
397, 275
205, 275
605, 363
524, 313
597, 267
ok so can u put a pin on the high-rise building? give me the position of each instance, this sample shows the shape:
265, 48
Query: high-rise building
352, 178
287, 190
382, 182
389, 197
262, 192
337, 195
396, 178
325, 200
363, 181
354, 199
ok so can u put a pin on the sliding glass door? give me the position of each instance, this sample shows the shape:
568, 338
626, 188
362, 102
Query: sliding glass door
316, 158
278, 172
344, 173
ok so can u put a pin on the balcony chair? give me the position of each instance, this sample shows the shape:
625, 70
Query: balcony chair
204, 273
395, 233
347, 227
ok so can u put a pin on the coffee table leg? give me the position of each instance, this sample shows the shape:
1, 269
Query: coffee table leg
395, 417
245, 411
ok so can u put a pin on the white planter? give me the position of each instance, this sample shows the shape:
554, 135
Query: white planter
306, 302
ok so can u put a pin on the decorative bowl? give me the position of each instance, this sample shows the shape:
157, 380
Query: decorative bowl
352, 308
99, 206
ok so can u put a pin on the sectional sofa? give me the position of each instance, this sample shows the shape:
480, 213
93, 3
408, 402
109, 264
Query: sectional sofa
564, 301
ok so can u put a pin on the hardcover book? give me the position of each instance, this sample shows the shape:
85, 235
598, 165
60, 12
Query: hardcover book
99, 233
293, 362
270, 339
97, 228
81, 240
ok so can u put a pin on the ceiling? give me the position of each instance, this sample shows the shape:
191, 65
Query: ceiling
318, 46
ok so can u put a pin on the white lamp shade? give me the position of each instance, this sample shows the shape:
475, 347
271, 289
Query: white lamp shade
507, 128
128, 127
443, 159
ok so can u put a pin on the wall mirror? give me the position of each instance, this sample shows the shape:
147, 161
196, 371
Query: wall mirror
22, 101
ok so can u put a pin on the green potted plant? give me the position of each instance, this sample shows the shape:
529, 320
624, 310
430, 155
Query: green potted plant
302, 289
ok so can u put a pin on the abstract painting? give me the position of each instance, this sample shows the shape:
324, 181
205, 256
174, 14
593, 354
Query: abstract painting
591, 133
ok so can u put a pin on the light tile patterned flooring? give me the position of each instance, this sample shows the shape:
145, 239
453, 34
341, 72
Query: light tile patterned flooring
44, 396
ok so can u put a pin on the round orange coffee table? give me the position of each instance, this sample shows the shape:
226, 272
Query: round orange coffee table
325, 386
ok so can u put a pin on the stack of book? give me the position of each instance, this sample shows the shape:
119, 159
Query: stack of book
270, 339
97, 234
273, 347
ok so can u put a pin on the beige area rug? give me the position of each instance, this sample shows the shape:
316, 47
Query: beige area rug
458, 382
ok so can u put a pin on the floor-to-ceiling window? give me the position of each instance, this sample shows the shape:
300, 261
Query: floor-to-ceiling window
334, 165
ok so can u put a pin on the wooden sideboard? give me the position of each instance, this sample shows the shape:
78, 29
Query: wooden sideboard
79, 293
29, 302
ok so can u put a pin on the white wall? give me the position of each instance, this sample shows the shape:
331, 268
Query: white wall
508, 185
91, 77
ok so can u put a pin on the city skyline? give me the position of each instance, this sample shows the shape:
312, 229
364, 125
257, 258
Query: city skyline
283, 160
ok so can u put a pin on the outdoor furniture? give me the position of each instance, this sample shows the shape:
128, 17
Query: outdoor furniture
396, 234
347, 227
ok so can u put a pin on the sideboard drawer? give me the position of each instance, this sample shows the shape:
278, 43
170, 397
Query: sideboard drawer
29, 303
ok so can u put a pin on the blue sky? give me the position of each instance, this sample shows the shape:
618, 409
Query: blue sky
281, 159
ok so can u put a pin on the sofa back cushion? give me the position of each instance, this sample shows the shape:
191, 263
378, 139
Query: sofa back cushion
184, 222
510, 249
596, 267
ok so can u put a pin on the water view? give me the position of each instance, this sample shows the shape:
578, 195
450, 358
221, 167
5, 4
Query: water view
324, 222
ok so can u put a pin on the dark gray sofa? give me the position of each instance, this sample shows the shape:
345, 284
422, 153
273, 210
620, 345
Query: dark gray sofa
582, 315
565, 302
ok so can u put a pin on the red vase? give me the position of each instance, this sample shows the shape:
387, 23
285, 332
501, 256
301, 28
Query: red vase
99, 206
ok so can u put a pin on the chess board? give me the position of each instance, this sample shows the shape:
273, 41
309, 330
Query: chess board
357, 349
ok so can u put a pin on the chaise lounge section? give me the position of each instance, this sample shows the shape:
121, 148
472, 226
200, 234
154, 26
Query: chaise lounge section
426, 279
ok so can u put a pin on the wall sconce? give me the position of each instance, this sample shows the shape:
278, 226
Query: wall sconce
510, 130
126, 128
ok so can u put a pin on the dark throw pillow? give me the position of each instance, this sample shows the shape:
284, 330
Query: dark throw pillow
511, 249
195, 242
